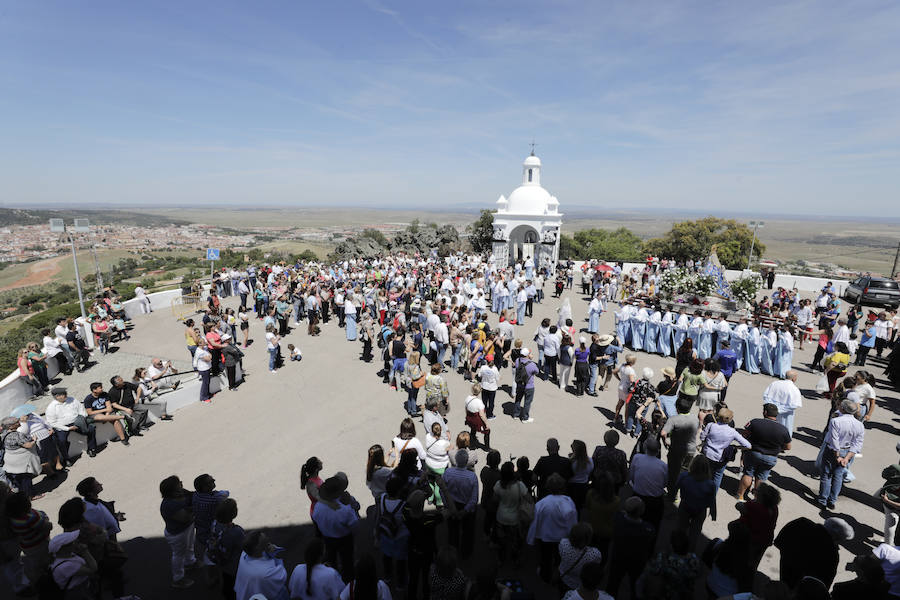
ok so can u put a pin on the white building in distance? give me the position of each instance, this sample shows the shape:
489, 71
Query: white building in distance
527, 224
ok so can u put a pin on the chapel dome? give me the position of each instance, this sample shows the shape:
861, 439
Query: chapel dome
528, 200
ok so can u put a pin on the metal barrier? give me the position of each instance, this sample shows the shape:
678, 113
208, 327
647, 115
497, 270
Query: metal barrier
185, 305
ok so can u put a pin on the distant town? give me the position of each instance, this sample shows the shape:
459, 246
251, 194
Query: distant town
22, 243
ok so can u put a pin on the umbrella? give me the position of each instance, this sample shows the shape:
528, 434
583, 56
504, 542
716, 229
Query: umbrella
20, 411
605, 268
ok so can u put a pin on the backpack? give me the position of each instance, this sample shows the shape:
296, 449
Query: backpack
389, 522
521, 373
215, 551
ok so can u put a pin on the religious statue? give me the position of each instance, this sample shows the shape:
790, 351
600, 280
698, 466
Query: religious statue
549, 236
500, 234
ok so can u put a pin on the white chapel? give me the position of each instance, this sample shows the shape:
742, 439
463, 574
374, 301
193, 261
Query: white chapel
527, 224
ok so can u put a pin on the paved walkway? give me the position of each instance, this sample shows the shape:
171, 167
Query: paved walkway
333, 406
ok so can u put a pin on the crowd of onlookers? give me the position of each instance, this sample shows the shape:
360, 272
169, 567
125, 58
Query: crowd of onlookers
65, 344
595, 523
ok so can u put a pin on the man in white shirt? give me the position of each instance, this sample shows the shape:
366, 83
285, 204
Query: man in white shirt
785, 394
60, 331
65, 414
551, 353
141, 294
441, 338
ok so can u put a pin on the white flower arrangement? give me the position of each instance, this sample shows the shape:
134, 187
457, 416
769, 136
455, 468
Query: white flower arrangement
744, 289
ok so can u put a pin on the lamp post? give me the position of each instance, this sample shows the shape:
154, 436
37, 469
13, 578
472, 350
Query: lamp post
755, 225
80, 226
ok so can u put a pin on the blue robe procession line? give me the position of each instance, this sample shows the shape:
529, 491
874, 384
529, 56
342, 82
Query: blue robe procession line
751, 355
665, 338
766, 349
650, 336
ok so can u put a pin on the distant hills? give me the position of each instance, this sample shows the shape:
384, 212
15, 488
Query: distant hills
28, 216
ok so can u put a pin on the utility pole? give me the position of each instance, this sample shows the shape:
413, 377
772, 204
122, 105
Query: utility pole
83, 226
896, 256
756, 225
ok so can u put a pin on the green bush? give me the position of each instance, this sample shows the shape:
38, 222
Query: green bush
11, 342
48, 317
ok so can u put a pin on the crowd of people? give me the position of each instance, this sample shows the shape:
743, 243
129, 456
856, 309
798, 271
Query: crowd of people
595, 521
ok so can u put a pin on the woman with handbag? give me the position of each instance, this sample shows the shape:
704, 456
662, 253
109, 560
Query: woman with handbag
716, 439
415, 379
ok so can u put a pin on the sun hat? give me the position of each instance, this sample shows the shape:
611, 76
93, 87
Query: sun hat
668, 371
605, 340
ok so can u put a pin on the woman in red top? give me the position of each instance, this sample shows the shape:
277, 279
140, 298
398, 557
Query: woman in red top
825, 337
26, 373
310, 480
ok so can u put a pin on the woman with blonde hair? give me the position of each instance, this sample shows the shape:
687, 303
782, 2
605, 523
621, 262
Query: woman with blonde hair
26, 373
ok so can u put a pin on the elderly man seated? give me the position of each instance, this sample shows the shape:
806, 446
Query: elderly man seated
158, 375
66, 414
100, 409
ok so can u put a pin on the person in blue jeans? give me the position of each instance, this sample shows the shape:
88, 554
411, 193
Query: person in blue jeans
843, 441
524, 393
716, 438
768, 438
866, 342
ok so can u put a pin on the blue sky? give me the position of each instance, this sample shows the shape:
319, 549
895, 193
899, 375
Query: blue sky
787, 107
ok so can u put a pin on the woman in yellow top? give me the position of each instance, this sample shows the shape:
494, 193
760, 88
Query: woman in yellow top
836, 365
190, 337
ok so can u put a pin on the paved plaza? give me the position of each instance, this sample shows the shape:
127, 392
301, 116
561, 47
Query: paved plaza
334, 406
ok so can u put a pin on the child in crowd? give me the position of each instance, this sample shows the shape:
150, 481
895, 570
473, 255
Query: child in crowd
294, 352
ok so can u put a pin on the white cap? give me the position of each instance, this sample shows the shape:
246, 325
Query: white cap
525, 351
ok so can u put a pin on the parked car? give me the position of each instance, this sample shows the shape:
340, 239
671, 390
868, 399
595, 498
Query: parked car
874, 291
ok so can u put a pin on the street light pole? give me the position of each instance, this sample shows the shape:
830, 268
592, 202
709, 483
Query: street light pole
77, 276
59, 226
756, 225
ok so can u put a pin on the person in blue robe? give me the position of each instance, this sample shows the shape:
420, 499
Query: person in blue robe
751, 352
694, 332
623, 326
638, 329
665, 335
766, 351
784, 354
704, 350
651, 335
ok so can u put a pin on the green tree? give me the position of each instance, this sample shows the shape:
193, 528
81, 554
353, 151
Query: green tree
375, 235
695, 240
602, 244
481, 232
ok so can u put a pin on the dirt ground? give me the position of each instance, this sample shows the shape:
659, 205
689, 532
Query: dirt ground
39, 273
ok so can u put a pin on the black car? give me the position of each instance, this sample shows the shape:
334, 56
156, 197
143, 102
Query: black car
874, 291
